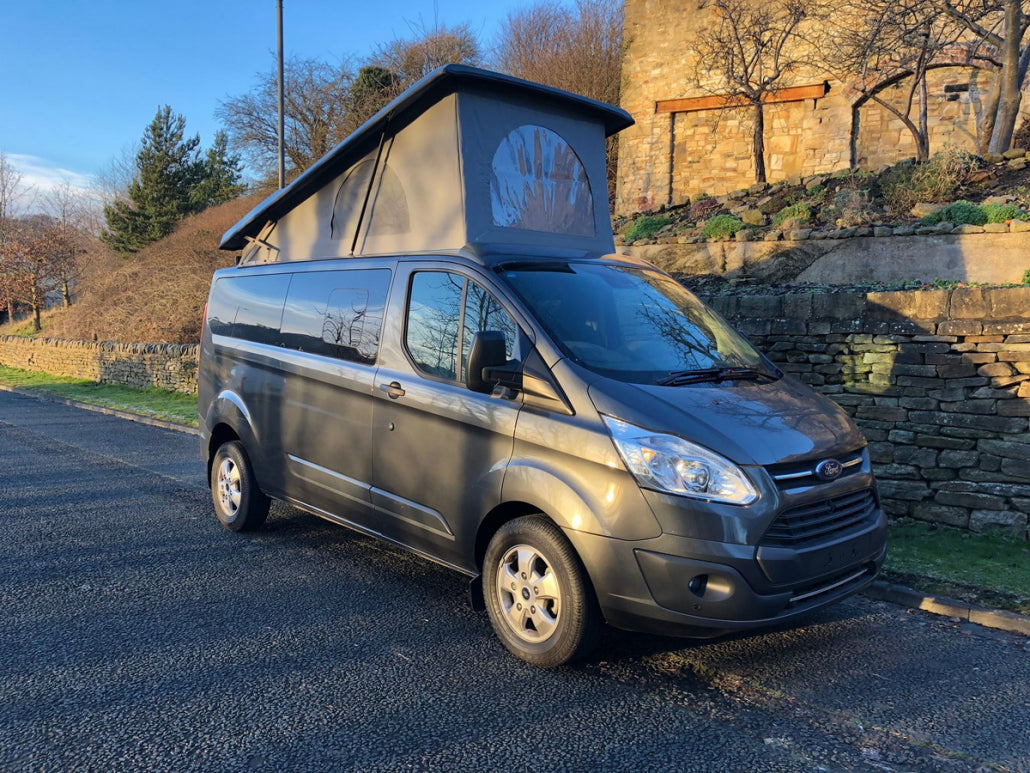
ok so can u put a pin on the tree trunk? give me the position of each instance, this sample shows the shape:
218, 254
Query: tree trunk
1010, 95
988, 117
923, 137
66, 293
37, 322
919, 138
758, 147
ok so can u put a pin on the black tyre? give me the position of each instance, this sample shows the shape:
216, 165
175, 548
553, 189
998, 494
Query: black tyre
538, 595
239, 503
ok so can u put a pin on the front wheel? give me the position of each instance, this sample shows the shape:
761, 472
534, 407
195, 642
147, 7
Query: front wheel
239, 504
538, 595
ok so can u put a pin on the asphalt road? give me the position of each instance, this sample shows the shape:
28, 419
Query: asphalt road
136, 634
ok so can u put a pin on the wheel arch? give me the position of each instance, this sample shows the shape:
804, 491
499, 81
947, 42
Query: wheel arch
220, 433
495, 519
229, 420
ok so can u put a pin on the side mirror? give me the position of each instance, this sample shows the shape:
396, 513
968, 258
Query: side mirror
487, 351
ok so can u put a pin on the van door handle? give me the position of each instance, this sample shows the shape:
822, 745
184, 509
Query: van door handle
393, 389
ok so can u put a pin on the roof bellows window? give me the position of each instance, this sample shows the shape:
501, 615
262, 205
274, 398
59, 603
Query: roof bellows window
538, 183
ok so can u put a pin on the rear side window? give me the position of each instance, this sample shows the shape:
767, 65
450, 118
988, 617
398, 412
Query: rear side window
248, 307
444, 311
336, 313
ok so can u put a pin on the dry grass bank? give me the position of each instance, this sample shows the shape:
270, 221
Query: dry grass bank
156, 295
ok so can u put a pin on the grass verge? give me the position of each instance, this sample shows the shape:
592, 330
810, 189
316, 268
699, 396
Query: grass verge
154, 403
988, 570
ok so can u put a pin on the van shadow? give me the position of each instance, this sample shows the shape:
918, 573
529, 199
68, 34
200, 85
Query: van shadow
346, 553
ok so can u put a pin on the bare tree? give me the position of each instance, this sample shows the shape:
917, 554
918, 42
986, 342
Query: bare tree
38, 253
579, 50
429, 47
316, 106
11, 194
1000, 27
76, 218
745, 53
113, 180
890, 42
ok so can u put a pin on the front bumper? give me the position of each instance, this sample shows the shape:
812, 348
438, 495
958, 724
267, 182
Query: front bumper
680, 586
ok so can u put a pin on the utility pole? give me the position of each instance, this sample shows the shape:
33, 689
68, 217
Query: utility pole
282, 122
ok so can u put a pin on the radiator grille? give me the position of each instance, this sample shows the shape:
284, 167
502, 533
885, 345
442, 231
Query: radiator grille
803, 474
815, 522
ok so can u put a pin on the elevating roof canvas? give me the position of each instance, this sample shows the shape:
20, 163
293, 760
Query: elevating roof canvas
465, 159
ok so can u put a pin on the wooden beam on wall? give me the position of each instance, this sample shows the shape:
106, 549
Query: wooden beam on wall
719, 102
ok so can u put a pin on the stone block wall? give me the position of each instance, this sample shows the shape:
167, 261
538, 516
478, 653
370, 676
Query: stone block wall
667, 158
938, 380
167, 366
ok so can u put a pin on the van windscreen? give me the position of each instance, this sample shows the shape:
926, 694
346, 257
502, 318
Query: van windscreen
632, 324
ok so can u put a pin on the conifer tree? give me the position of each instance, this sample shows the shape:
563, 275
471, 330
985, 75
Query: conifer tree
223, 172
163, 191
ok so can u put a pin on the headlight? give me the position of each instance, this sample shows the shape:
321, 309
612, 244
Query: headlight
677, 466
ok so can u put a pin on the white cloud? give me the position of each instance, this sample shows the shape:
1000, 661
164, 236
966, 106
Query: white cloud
40, 177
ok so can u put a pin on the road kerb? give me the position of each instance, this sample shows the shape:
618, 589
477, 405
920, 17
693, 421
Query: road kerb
137, 417
948, 607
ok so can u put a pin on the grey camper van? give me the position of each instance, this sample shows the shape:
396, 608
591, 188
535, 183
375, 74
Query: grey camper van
428, 339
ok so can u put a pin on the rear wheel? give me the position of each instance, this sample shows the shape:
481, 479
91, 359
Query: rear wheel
239, 503
538, 595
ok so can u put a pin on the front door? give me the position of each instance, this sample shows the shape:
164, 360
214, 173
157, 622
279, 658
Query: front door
439, 449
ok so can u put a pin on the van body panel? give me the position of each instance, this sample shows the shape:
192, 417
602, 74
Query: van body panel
327, 429
565, 466
646, 586
438, 457
438, 450
251, 389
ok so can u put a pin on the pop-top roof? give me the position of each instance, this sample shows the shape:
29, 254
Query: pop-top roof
463, 157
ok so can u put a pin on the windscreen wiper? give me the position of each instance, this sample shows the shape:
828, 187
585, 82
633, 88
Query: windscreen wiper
713, 375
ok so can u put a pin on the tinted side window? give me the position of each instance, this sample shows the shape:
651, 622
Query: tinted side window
336, 313
444, 312
434, 322
221, 308
253, 305
484, 312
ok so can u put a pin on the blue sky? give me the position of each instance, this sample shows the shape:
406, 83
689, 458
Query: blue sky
83, 78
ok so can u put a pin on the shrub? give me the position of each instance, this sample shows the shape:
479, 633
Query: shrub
774, 204
851, 207
936, 180
794, 215
645, 226
722, 227
959, 213
703, 209
1001, 213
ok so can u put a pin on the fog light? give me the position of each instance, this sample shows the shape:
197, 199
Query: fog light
698, 584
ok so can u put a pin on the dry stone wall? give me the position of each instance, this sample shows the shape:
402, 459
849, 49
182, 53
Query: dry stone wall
167, 366
938, 380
